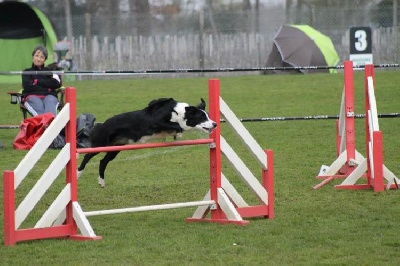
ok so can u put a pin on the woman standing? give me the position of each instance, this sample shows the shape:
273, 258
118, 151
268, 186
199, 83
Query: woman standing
39, 91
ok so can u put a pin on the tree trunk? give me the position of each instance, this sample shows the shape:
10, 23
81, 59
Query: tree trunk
210, 14
246, 5
141, 12
69, 24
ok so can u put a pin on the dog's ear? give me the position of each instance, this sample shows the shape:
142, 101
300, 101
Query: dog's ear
202, 105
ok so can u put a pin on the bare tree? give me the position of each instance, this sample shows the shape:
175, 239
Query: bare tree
106, 11
210, 14
246, 5
68, 21
141, 12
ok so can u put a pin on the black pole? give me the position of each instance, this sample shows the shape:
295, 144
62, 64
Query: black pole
184, 70
310, 117
277, 118
9, 126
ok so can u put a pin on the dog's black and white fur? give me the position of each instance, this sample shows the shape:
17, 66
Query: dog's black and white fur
161, 118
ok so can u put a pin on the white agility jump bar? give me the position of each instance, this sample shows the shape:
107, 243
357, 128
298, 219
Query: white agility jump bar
151, 208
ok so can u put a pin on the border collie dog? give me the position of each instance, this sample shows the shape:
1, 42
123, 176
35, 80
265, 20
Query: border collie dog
161, 118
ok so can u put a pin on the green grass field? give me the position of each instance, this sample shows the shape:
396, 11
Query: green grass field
311, 227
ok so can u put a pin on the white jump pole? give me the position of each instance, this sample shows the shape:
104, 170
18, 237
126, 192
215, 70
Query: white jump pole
151, 208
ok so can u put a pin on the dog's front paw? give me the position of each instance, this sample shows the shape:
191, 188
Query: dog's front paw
102, 183
78, 173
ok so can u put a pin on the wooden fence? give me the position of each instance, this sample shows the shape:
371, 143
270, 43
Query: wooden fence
170, 52
244, 50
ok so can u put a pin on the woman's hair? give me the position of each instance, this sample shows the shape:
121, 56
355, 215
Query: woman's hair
42, 49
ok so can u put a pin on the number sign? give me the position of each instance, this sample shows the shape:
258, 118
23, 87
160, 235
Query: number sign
361, 45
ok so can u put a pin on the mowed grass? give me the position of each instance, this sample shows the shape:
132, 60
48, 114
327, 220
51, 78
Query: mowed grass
311, 227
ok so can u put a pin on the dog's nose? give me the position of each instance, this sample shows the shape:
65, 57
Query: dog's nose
214, 125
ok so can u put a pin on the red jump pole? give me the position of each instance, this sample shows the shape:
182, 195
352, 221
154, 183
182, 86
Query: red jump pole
70, 136
9, 208
145, 146
348, 166
368, 72
349, 113
269, 183
378, 183
215, 152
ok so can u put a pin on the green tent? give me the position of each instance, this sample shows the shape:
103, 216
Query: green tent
22, 27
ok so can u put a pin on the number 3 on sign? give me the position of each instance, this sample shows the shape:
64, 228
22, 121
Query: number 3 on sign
360, 40
361, 43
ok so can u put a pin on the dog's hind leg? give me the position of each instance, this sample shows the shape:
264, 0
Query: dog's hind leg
103, 165
85, 160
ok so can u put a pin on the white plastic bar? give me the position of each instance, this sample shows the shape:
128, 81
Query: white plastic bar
342, 127
41, 186
34, 154
243, 133
57, 207
150, 208
244, 172
372, 104
81, 220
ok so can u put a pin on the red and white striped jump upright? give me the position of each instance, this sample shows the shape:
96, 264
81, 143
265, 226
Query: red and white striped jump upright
65, 217
350, 164
220, 187
66, 159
